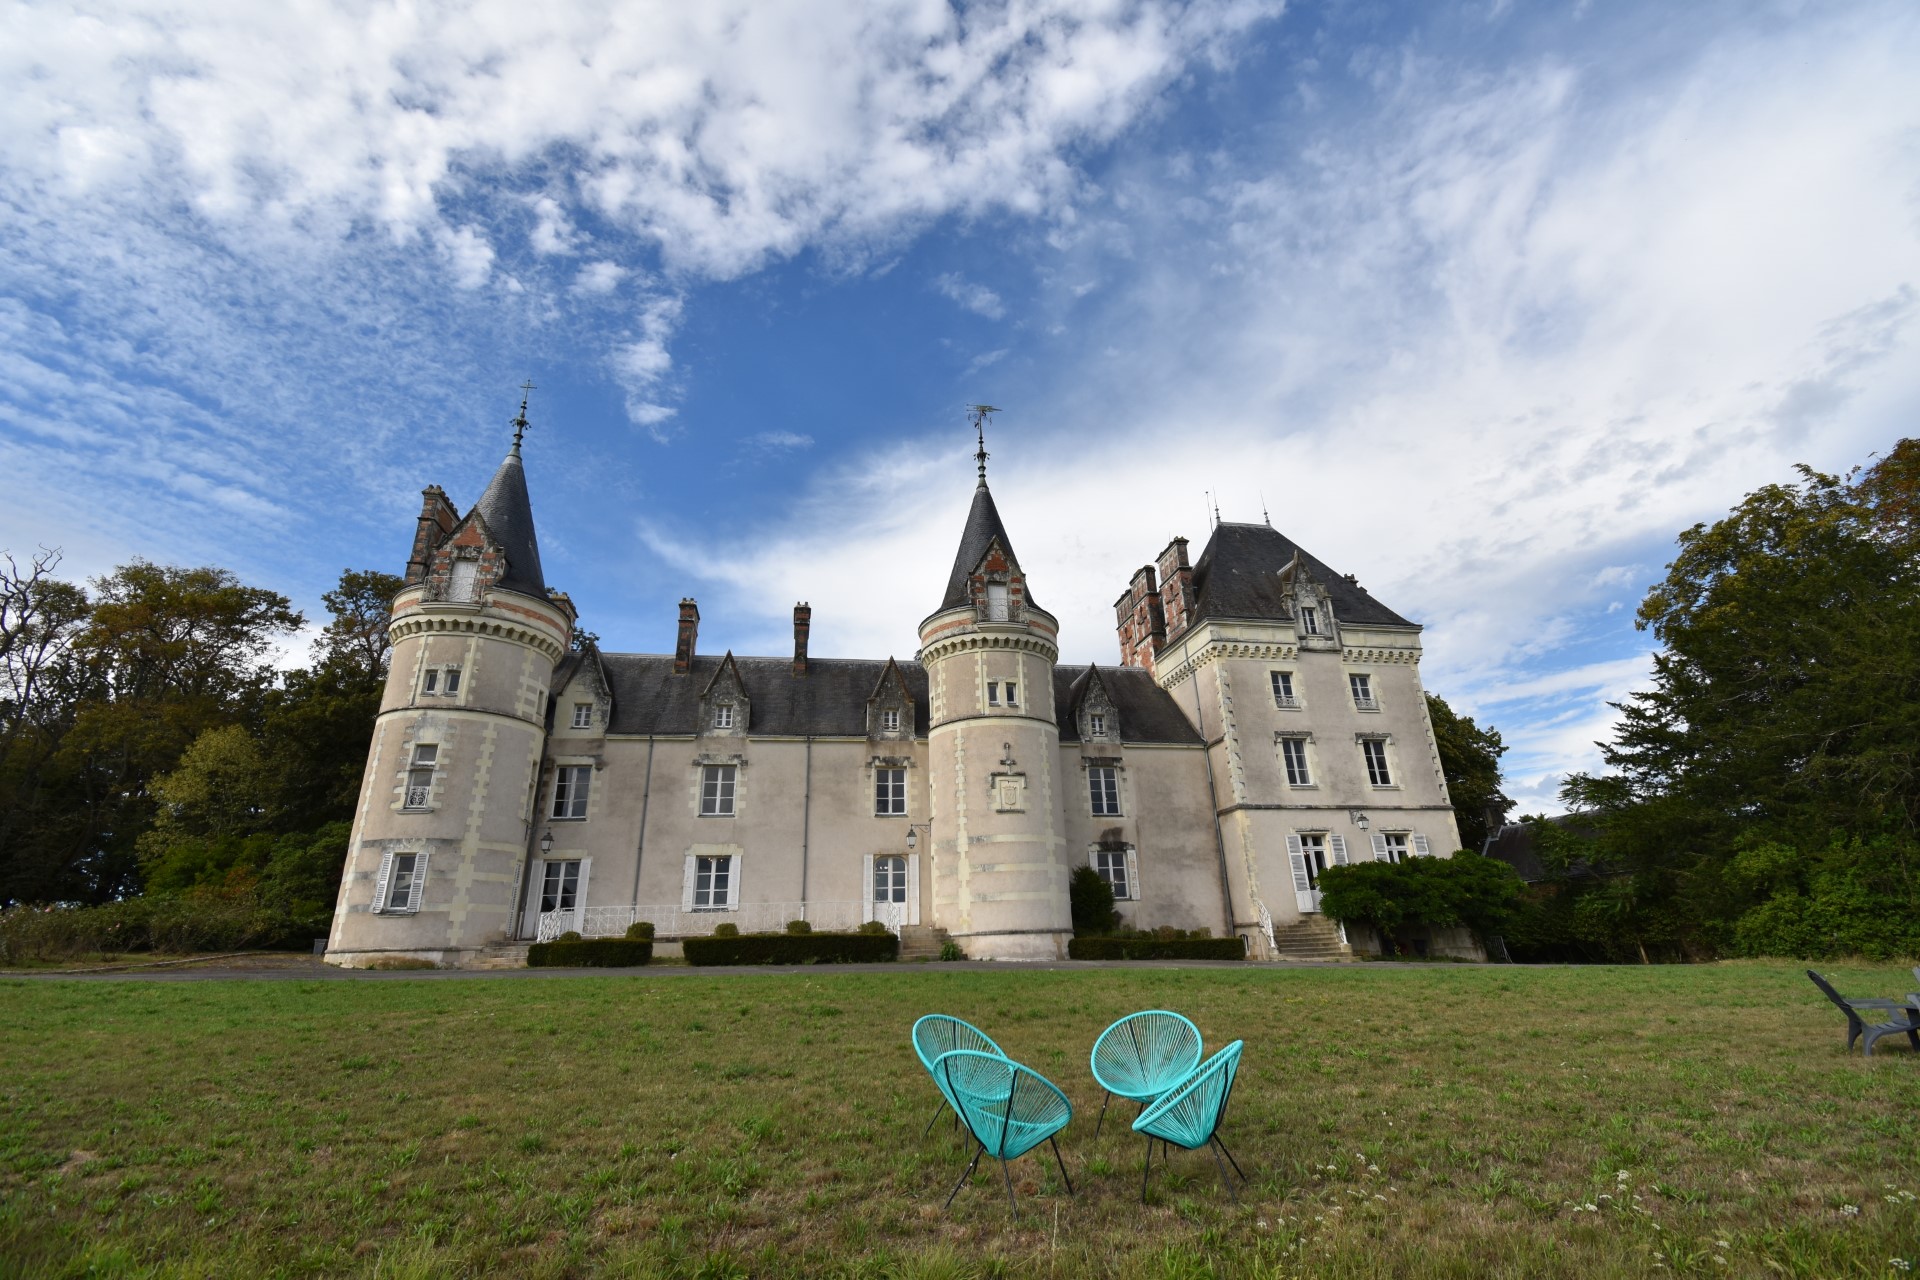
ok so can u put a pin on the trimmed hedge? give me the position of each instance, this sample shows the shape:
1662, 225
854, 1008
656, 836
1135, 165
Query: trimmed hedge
1156, 949
589, 953
793, 948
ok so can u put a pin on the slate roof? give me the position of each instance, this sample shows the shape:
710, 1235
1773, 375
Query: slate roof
983, 526
1238, 576
831, 699
508, 514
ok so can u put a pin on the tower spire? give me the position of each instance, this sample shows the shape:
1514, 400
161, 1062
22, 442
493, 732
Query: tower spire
980, 412
520, 424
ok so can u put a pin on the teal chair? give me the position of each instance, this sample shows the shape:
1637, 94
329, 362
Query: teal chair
1009, 1109
1142, 1056
1189, 1116
937, 1035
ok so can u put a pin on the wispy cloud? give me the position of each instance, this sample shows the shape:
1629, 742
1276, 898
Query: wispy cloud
976, 298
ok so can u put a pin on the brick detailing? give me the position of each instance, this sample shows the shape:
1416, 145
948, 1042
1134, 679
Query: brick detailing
802, 624
470, 541
1176, 589
689, 632
437, 520
1139, 620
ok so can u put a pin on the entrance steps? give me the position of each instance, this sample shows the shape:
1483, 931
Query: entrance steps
499, 955
1312, 937
922, 941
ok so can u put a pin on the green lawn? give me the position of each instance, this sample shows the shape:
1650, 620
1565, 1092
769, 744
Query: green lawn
1432, 1121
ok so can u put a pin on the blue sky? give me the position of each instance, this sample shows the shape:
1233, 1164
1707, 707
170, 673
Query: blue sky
1484, 301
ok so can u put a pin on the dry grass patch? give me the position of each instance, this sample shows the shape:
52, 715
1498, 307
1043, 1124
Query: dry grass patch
1446, 1121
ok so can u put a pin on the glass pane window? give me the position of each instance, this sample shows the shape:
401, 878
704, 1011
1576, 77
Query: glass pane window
1013, 694
1112, 866
583, 715
993, 693
890, 720
420, 775
1293, 753
723, 717
1097, 725
712, 878
464, 581
1309, 621
1362, 687
452, 682
430, 680
889, 792
890, 879
1313, 849
560, 886
1394, 845
1103, 784
716, 790
1283, 689
400, 881
1375, 753
999, 602
570, 782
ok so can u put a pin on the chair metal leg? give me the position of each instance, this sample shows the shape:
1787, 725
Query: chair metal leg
1062, 1163
1230, 1159
1224, 1179
1009, 1176
1103, 1112
963, 1178
933, 1120
1145, 1168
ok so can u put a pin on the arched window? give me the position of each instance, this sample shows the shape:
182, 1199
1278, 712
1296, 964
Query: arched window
890, 879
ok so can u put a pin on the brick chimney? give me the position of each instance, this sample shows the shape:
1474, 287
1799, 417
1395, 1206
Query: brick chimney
1176, 589
437, 518
689, 628
802, 624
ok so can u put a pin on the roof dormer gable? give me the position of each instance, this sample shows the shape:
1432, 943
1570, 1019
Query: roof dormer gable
724, 706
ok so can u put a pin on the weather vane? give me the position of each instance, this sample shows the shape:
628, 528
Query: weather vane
520, 424
980, 412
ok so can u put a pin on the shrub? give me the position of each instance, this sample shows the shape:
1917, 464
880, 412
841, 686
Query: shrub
590, 953
726, 930
571, 935
640, 931
875, 928
950, 950
1147, 947
794, 948
799, 926
1467, 889
1091, 901
205, 919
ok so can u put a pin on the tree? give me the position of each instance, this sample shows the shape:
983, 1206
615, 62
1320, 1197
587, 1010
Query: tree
1467, 889
1470, 762
362, 608
1090, 898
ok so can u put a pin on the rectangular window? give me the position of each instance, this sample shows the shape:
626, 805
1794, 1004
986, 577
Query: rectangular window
1309, 621
716, 790
890, 721
1293, 753
464, 580
1374, 751
712, 878
890, 879
583, 715
1097, 725
1013, 696
570, 782
1283, 689
1112, 866
723, 717
1313, 851
401, 883
999, 602
1362, 687
993, 693
1391, 847
560, 886
430, 680
420, 775
1104, 788
889, 792
452, 683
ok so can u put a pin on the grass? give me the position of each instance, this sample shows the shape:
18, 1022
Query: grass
1440, 1121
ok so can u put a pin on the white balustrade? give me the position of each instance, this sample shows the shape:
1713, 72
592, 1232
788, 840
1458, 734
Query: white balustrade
670, 921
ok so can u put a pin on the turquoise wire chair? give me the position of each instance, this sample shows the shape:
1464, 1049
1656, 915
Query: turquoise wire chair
1142, 1056
1189, 1116
939, 1034
1009, 1109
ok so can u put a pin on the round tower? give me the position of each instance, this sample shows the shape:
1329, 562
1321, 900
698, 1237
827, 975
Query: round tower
440, 838
997, 856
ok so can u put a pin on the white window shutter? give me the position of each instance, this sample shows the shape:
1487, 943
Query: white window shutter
1380, 853
913, 888
1420, 847
686, 884
580, 892
1299, 859
1339, 843
419, 881
733, 882
866, 894
380, 881
1133, 875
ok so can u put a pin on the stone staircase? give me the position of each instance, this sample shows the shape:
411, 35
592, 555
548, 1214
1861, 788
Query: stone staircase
921, 941
1311, 937
500, 955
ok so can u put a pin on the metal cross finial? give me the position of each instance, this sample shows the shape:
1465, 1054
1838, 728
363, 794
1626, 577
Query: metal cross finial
980, 412
520, 424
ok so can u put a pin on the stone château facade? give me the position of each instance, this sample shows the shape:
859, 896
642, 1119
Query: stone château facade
1266, 721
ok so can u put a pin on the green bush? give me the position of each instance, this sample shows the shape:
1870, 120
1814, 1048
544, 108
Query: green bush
1091, 900
950, 950
571, 935
1147, 947
799, 926
726, 930
875, 928
1467, 889
640, 931
794, 948
199, 920
590, 953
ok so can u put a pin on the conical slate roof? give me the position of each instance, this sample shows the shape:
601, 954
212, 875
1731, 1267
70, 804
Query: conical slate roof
983, 526
509, 518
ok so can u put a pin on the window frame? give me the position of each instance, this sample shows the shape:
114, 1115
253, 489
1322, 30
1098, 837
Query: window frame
424, 759
1360, 686
1128, 890
569, 887
1380, 770
999, 602
385, 887
1284, 696
1310, 620
1299, 741
993, 693
890, 791
719, 790
723, 716
467, 568
720, 874
565, 805
1013, 692
1097, 724
897, 884
582, 715
1107, 794
890, 720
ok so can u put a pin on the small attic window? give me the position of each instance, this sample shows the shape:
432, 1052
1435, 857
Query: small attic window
464, 580
999, 602
890, 720
1097, 725
723, 716
1309, 621
583, 715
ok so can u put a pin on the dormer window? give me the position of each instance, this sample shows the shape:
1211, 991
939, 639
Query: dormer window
723, 717
583, 715
999, 602
1309, 621
464, 581
1097, 725
890, 720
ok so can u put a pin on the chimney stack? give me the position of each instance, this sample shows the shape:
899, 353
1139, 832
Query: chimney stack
689, 628
802, 624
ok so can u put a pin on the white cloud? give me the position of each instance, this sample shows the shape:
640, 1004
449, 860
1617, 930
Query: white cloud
468, 255
599, 278
780, 440
976, 298
642, 365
